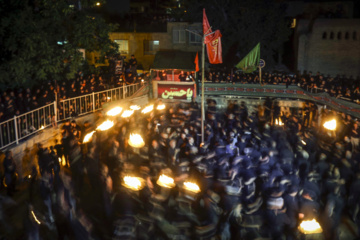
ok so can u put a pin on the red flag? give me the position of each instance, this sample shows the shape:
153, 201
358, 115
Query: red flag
212, 41
197, 62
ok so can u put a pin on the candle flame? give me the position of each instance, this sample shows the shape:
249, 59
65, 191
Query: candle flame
165, 181
310, 227
88, 137
135, 107
136, 141
193, 187
148, 109
127, 113
161, 107
105, 125
133, 183
114, 111
330, 125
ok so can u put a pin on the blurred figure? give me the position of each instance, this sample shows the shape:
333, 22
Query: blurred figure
10, 173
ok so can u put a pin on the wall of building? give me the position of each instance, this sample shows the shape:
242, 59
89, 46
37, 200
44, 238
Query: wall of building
330, 46
166, 42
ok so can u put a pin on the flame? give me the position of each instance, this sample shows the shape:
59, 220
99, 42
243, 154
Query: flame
108, 98
310, 227
135, 107
35, 218
330, 125
303, 142
42, 127
193, 187
279, 122
148, 109
127, 113
105, 125
88, 137
114, 111
59, 160
133, 183
63, 161
161, 107
165, 181
136, 141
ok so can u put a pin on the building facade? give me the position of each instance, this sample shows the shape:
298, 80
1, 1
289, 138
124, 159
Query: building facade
179, 36
329, 46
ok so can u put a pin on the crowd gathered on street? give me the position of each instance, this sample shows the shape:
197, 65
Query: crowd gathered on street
259, 175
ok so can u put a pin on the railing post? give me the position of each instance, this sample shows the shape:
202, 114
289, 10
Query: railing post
55, 111
124, 91
16, 131
93, 97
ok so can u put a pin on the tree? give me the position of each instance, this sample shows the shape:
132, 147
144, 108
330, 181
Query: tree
243, 24
39, 39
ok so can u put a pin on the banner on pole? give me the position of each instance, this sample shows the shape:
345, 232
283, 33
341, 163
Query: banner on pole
212, 41
251, 61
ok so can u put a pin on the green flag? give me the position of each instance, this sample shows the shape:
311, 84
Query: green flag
251, 61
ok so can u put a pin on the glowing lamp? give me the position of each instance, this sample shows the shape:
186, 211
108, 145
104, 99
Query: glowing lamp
135, 107
88, 137
42, 127
165, 181
105, 125
303, 142
127, 113
133, 183
161, 107
330, 125
136, 141
192, 187
148, 109
310, 227
98, 4
114, 111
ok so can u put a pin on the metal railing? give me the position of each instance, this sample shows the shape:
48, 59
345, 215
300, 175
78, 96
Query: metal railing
24, 125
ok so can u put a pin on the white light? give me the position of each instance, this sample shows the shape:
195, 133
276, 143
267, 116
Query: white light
88, 137
135, 107
161, 107
193, 187
114, 111
127, 113
148, 109
136, 141
330, 125
142, 80
165, 181
310, 227
133, 183
42, 127
105, 125
303, 142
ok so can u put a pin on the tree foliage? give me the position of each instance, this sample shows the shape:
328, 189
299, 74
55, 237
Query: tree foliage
39, 39
243, 24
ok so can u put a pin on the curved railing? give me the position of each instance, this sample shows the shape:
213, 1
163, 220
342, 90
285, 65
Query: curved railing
281, 91
24, 125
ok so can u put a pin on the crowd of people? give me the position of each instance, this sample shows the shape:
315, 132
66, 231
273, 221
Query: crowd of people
256, 177
19, 101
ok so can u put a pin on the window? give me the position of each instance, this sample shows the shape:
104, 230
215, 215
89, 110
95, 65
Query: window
339, 36
354, 36
331, 35
151, 47
179, 36
324, 36
347, 35
194, 39
123, 46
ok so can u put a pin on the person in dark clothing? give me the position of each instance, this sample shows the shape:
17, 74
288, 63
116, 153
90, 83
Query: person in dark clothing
133, 65
10, 173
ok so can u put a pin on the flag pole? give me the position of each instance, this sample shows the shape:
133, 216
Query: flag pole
202, 90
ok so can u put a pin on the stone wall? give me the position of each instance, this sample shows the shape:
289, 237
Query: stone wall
329, 46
